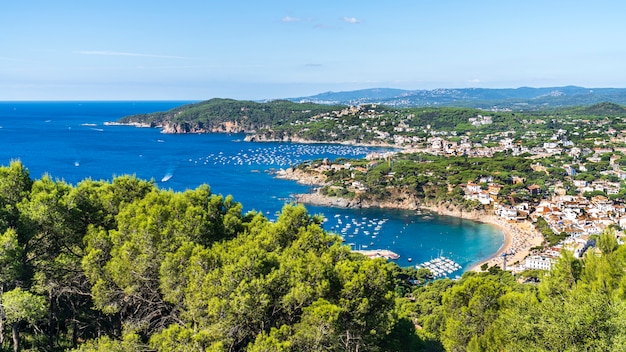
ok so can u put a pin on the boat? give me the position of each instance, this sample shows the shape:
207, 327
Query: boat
440, 266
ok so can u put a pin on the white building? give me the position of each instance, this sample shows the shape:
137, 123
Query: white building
538, 262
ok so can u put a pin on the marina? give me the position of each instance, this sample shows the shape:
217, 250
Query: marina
280, 155
440, 266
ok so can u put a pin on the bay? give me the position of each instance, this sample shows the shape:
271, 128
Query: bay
70, 141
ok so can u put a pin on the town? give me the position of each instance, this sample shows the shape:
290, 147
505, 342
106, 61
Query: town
567, 189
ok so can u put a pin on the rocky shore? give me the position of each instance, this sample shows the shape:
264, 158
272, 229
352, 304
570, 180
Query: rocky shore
304, 178
319, 199
182, 128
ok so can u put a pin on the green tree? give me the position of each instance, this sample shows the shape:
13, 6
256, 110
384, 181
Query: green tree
15, 184
470, 308
11, 264
563, 276
130, 342
123, 264
22, 306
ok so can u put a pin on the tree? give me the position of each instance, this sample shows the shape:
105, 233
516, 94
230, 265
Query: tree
22, 306
366, 297
607, 243
123, 264
470, 308
130, 342
562, 277
11, 264
15, 184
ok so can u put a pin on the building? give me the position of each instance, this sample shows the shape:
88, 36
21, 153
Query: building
538, 262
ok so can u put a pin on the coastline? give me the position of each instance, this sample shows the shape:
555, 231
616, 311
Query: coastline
257, 138
519, 237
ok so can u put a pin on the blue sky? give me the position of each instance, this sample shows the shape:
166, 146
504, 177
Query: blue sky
156, 50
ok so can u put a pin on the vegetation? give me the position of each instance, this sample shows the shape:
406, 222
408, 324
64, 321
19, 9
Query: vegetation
245, 115
434, 179
130, 267
124, 266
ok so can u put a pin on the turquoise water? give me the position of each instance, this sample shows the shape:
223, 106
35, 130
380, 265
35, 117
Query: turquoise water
70, 141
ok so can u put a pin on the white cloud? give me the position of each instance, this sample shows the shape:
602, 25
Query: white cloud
121, 53
475, 80
351, 20
289, 19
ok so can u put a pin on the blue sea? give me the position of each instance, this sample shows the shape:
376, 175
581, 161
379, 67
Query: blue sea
70, 141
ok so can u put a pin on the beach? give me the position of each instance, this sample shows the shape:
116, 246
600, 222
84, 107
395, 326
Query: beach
519, 236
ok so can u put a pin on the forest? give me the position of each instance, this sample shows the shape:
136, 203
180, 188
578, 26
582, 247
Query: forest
121, 265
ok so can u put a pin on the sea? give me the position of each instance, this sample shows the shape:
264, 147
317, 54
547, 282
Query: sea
71, 141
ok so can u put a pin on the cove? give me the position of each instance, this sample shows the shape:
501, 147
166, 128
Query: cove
70, 141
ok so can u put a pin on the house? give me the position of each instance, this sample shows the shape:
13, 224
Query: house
472, 187
534, 190
538, 262
484, 198
359, 187
494, 189
507, 212
517, 180
569, 170
486, 179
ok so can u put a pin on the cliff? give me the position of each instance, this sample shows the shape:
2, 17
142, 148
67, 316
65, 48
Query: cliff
453, 210
197, 127
302, 177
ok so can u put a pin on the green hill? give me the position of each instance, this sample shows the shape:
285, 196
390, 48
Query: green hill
228, 115
601, 109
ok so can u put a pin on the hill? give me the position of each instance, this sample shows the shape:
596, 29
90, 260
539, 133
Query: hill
524, 98
601, 109
227, 115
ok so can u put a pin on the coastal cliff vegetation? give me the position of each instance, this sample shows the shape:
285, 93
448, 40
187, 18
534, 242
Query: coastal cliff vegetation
228, 116
125, 266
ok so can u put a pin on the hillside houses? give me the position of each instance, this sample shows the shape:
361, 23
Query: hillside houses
576, 217
567, 172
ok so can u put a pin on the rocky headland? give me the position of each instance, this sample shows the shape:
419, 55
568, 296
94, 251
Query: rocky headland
186, 127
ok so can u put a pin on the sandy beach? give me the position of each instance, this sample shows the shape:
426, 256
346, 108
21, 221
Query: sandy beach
519, 238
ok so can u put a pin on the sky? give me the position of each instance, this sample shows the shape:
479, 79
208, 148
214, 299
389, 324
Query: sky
197, 50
